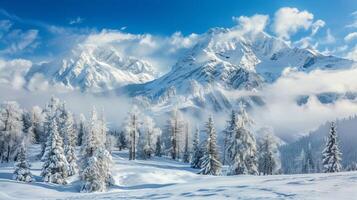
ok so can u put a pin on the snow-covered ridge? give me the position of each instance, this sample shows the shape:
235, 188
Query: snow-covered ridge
95, 69
224, 60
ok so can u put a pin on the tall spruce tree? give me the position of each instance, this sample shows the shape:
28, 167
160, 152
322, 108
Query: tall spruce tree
55, 166
331, 155
175, 130
229, 132
96, 161
50, 113
197, 152
268, 161
71, 140
186, 154
242, 149
210, 164
158, 147
81, 129
308, 165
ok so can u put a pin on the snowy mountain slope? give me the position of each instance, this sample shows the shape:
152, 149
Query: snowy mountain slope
225, 61
162, 178
95, 69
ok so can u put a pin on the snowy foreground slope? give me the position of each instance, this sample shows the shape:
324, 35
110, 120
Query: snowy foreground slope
162, 178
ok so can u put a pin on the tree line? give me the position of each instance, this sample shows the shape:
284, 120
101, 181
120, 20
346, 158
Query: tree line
63, 137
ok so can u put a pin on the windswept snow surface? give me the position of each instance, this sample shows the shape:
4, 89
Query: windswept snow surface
161, 178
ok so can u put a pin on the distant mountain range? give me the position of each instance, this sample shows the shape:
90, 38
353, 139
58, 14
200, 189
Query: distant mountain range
219, 64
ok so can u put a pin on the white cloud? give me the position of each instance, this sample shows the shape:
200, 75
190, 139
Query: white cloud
77, 20
18, 40
354, 23
288, 21
350, 37
315, 27
254, 24
329, 39
288, 118
352, 54
12, 72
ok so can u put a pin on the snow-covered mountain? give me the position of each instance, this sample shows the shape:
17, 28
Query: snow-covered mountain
95, 69
223, 62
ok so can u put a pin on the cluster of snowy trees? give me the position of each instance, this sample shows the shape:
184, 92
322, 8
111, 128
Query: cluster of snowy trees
59, 134
325, 157
56, 130
241, 152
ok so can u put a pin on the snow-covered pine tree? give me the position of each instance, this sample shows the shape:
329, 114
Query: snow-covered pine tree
71, 140
55, 166
50, 112
22, 167
96, 161
197, 152
331, 155
11, 130
122, 142
210, 164
268, 161
186, 154
81, 129
175, 130
242, 148
158, 147
232, 126
308, 165
37, 120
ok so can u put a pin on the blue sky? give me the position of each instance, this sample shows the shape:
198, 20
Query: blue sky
53, 22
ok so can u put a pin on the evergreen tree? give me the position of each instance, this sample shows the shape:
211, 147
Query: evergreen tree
308, 165
81, 129
186, 154
55, 167
268, 161
229, 132
50, 113
158, 150
210, 164
96, 161
71, 140
22, 167
242, 148
331, 154
122, 142
175, 130
197, 151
